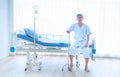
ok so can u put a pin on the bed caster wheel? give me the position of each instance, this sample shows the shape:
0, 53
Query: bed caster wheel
25, 69
93, 59
39, 69
77, 65
40, 63
62, 69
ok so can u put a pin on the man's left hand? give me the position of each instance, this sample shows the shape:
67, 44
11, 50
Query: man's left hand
86, 45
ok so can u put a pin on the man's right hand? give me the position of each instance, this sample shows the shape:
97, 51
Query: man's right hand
68, 31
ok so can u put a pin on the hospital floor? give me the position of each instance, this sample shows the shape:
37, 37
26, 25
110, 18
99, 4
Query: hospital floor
13, 66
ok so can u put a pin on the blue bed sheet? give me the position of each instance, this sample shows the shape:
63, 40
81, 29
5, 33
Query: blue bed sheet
44, 41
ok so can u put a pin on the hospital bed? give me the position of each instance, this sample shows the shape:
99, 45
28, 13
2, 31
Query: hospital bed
44, 42
41, 43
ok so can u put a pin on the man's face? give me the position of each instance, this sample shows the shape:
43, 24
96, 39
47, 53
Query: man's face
79, 18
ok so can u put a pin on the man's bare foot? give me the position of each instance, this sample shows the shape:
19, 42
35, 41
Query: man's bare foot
70, 67
87, 70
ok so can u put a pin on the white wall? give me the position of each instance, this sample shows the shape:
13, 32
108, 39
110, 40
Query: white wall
5, 26
54, 16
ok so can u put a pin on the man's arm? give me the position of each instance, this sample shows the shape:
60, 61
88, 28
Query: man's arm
87, 41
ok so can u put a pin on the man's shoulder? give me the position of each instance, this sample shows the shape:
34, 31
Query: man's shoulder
74, 24
85, 25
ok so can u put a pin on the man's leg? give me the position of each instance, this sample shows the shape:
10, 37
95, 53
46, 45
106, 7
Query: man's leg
72, 53
71, 63
86, 65
86, 54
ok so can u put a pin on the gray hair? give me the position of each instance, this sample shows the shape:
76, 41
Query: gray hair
79, 15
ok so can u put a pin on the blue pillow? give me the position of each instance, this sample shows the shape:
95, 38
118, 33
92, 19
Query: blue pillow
30, 33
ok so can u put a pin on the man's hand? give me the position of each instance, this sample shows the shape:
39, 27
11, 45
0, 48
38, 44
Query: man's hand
87, 41
68, 31
86, 45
